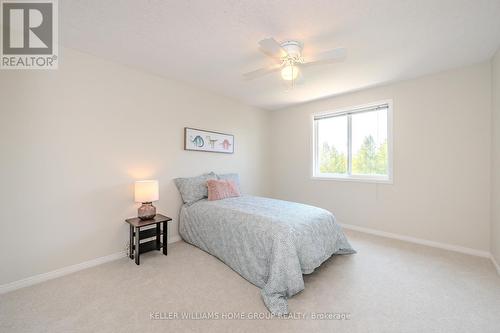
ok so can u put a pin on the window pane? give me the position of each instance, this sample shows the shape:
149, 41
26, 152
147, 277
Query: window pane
332, 145
369, 143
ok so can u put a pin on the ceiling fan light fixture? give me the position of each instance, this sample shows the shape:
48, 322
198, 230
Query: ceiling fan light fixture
288, 60
289, 72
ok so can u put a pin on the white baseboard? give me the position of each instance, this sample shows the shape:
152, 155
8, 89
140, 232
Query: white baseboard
98, 261
420, 241
495, 263
5, 288
59, 272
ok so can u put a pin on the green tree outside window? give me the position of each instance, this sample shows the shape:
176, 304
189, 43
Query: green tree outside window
368, 160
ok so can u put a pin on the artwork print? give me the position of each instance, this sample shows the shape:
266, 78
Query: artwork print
201, 140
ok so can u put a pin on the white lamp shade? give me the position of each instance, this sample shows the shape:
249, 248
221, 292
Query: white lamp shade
146, 191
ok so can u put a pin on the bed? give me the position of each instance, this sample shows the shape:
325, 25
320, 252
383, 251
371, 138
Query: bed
269, 242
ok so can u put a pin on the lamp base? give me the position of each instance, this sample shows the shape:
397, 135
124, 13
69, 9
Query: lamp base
147, 211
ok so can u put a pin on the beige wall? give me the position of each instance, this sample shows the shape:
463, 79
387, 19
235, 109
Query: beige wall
72, 142
495, 181
442, 141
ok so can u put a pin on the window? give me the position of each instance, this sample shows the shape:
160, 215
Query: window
354, 144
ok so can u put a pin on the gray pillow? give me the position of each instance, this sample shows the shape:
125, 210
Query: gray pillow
194, 188
231, 176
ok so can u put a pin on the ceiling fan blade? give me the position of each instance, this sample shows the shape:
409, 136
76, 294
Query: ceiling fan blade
261, 72
328, 57
272, 48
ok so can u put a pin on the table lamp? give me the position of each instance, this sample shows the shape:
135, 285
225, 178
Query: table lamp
146, 191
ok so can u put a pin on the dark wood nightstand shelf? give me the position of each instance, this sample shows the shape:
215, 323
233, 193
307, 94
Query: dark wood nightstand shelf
135, 230
146, 247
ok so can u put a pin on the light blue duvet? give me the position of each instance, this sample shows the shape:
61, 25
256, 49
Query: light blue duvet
269, 242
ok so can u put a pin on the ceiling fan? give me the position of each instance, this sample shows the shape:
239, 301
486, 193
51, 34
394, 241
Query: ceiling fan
289, 60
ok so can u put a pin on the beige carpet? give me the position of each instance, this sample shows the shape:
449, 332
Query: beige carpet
389, 286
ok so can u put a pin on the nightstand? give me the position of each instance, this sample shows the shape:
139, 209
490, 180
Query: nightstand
139, 231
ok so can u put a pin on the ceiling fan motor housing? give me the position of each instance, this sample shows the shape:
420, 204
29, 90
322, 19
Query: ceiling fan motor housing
292, 48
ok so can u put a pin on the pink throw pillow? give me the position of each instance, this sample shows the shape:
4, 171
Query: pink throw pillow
219, 189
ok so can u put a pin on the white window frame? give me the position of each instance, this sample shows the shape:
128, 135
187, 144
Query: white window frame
315, 174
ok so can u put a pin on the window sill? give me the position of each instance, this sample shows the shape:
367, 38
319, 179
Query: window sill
381, 180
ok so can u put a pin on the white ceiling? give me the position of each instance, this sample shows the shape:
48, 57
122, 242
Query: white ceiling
210, 43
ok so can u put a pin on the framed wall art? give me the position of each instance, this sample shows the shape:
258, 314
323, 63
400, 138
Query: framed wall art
201, 140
